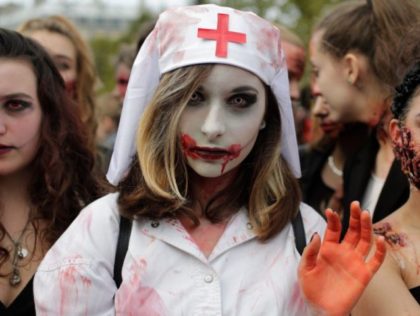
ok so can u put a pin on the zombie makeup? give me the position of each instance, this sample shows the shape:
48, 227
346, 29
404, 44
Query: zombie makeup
222, 120
394, 239
71, 88
209, 153
407, 153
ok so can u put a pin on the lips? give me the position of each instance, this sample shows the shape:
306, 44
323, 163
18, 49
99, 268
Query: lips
5, 149
209, 153
329, 127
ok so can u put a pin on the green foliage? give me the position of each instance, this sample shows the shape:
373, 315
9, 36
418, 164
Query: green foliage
106, 48
298, 15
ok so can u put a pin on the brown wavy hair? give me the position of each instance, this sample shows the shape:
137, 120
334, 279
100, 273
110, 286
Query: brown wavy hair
157, 185
63, 178
374, 28
86, 71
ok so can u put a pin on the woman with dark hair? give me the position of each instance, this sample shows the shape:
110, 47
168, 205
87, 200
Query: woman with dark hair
46, 166
207, 116
400, 271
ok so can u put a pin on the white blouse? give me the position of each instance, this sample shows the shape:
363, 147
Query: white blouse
165, 273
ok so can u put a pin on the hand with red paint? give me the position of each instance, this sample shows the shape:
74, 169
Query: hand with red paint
333, 275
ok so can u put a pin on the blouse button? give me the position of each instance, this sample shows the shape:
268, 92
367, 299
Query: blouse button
155, 224
249, 225
208, 278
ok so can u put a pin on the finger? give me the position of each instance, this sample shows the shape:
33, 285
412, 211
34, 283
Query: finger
375, 262
333, 231
310, 254
364, 244
353, 233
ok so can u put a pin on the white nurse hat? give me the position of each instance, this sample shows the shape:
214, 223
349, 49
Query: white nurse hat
204, 34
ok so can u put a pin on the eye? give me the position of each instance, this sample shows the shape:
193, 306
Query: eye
315, 72
16, 105
196, 98
242, 100
62, 66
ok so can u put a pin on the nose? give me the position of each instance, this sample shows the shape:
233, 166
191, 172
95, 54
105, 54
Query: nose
213, 125
2, 125
315, 87
320, 108
294, 90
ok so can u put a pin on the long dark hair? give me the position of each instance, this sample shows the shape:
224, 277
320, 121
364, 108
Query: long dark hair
63, 177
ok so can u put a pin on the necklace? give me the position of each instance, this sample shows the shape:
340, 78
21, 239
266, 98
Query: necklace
19, 253
333, 167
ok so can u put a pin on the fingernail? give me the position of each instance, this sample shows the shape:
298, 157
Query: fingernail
313, 235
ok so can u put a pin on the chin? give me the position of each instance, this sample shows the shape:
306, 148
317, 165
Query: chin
210, 170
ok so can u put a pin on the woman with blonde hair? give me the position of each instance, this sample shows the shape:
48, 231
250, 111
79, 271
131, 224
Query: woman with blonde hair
206, 118
73, 58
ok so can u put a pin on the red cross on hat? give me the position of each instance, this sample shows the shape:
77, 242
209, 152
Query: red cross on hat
222, 35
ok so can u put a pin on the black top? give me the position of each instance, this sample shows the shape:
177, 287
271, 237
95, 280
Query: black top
23, 305
314, 191
357, 171
415, 291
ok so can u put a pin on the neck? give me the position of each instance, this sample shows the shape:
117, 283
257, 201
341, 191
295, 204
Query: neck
204, 189
384, 159
15, 202
352, 137
411, 208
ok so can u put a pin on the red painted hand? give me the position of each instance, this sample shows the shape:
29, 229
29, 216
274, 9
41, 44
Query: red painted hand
333, 275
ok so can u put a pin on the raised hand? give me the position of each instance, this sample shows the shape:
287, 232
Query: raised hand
333, 275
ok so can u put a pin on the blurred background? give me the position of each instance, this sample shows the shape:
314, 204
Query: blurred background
107, 24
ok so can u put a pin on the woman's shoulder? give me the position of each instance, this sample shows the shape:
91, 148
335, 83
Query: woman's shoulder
91, 236
401, 243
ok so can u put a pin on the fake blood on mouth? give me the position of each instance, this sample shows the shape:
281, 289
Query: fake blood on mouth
195, 152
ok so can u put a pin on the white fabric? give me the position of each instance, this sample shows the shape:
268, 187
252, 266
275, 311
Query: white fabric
371, 196
164, 272
174, 43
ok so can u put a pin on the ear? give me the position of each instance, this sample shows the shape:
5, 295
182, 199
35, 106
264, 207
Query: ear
395, 131
352, 68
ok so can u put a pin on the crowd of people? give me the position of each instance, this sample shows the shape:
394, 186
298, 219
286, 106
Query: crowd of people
210, 182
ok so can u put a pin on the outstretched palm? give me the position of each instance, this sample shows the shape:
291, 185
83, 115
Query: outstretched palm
333, 275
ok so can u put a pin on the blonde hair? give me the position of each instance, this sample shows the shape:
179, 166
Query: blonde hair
157, 183
86, 72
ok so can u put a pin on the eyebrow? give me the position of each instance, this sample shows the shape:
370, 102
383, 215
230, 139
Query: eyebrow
60, 57
16, 95
244, 89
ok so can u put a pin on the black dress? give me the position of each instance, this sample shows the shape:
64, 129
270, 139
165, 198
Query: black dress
314, 191
357, 171
23, 305
415, 291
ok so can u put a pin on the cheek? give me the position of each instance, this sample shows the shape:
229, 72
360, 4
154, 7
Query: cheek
69, 75
189, 122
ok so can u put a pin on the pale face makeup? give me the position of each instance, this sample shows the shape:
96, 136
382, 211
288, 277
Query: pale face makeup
331, 82
221, 123
20, 116
63, 52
